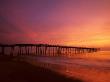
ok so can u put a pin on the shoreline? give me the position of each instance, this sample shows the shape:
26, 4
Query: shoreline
17, 71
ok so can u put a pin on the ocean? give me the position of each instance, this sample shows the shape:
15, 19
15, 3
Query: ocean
89, 67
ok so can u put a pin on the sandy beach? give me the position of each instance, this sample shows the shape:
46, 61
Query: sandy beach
94, 67
17, 71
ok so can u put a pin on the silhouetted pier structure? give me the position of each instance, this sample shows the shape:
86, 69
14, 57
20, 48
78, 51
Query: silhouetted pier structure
43, 50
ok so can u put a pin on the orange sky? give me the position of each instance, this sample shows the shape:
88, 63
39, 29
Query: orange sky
66, 22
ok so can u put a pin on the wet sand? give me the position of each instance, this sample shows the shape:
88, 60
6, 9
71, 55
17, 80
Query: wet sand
17, 71
94, 67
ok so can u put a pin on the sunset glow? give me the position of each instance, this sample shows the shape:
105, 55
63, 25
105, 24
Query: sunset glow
65, 22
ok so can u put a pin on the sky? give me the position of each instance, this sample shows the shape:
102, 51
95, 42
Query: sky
65, 22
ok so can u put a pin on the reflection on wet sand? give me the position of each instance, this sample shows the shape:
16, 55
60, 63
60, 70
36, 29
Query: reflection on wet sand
16, 71
92, 68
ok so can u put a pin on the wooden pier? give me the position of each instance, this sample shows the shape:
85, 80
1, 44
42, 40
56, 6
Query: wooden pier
43, 50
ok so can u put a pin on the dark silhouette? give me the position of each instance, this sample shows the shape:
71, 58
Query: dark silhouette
17, 71
43, 50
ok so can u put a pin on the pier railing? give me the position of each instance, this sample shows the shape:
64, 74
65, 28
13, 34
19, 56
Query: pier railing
43, 50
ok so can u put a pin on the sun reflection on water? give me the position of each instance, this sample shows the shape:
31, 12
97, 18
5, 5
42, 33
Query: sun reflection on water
93, 67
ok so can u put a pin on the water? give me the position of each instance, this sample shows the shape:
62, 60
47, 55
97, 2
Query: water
92, 67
